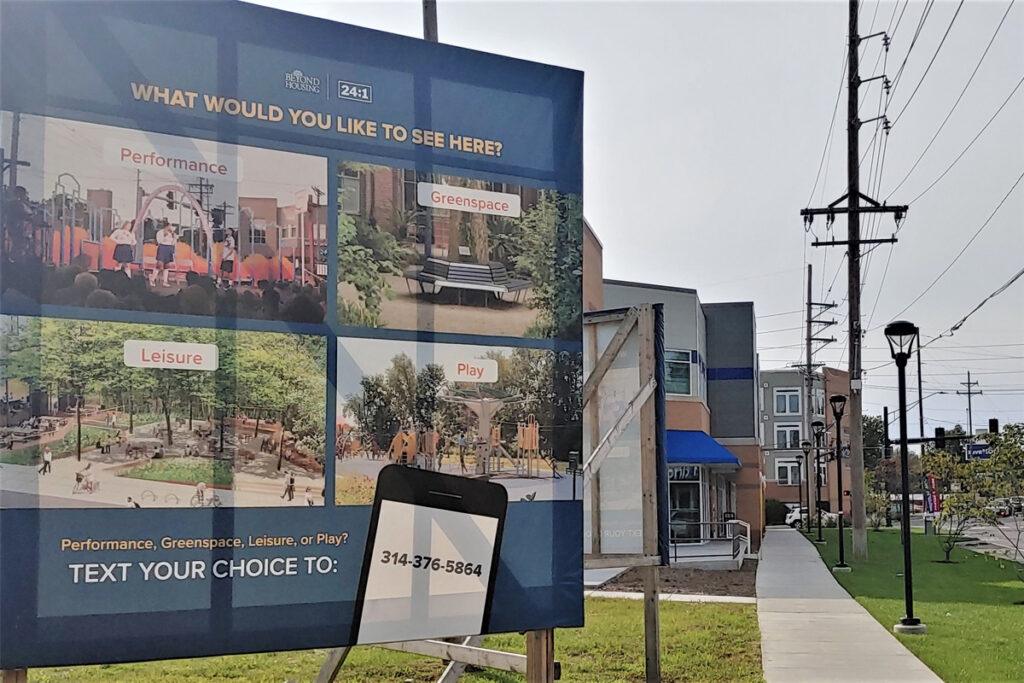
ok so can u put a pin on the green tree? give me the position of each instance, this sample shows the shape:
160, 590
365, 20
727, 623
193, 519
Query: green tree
874, 440
551, 254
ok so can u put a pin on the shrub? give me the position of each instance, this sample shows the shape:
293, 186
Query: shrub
775, 511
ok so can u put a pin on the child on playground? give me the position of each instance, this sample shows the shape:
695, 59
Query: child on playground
124, 239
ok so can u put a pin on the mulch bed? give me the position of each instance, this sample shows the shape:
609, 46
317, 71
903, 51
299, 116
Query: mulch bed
738, 583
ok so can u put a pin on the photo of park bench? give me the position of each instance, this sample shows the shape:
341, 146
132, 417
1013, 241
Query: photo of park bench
433, 252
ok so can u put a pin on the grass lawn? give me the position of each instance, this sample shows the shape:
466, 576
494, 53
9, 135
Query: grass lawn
700, 642
974, 627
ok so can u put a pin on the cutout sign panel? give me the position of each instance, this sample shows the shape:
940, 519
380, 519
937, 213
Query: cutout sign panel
243, 277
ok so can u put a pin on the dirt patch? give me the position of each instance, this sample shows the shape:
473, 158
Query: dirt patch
739, 583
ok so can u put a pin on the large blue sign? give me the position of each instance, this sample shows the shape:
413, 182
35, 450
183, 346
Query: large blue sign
249, 259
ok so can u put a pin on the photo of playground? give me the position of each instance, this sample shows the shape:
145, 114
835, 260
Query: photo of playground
112, 218
508, 415
101, 414
420, 251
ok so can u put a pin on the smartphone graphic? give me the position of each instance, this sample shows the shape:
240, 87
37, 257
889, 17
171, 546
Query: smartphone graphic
431, 557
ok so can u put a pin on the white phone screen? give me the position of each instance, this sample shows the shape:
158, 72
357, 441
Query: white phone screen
428, 574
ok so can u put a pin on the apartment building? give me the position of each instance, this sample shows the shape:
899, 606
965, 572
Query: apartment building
787, 417
711, 409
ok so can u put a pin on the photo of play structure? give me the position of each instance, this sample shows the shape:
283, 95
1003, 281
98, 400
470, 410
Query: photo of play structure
422, 251
80, 427
104, 217
485, 412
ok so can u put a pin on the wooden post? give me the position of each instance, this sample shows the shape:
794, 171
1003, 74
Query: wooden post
14, 676
652, 625
331, 666
540, 656
649, 501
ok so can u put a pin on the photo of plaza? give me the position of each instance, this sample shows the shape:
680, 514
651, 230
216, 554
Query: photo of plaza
493, 413
421, 251
101, 414
113, 218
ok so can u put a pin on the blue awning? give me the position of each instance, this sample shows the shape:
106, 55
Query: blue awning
697, 448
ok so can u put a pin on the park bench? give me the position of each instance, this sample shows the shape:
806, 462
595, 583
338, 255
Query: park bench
436, 274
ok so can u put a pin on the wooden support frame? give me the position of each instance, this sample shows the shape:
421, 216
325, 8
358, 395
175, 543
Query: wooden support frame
538, 663
643, 405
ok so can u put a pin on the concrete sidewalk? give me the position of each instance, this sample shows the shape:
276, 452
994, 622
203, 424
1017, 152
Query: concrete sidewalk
812, 630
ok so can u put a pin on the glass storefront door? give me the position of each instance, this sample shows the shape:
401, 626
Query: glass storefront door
684, 504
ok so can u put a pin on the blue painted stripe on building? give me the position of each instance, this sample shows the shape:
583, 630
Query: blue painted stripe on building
730, 373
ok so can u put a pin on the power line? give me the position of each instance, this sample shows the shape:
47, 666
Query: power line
956, 103
971, 143
969, 242
930, 62
956, 326
828, 138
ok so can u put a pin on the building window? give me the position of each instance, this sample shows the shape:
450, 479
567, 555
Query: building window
823, 471
819, 401
787, 401
677, 372
787, 436
787, 472
348, 192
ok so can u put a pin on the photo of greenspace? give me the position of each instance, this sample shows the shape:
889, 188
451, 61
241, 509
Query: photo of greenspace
81, 427
508, 415
420, 251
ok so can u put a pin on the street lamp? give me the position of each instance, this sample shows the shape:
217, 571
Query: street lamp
838, 402
901, 336
805, 446
818, 429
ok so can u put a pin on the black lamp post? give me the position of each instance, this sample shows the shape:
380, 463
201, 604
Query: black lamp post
901, 336
818, 429
800, 488
838, 402
805, 446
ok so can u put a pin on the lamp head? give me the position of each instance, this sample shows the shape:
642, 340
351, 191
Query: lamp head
805, 446
818, 428
838, 402
901, 335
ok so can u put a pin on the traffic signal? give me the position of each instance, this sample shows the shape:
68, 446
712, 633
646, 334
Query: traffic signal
170, 200
940, 438
993, 426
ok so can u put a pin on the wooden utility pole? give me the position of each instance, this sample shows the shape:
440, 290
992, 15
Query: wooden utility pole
853, 209
970, 414
430, 20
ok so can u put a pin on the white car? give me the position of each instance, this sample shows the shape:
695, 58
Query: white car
796, 519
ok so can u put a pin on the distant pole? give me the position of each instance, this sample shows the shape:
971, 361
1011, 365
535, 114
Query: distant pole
970, 415
15, 135
920, 396
430, 20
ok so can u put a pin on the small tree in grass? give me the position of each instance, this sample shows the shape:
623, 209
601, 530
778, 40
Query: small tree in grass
876, 504
959, 511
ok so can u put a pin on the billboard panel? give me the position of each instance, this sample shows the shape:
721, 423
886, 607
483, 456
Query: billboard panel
242, 275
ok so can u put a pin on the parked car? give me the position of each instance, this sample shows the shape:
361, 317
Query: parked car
1000, 506
1017, 504
796, 519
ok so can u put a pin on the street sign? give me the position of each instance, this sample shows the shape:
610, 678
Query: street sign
978, 451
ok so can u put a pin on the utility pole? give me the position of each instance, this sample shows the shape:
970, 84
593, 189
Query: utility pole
920, 396
430, 20
15, 136
812, 320
853, 210
970, 416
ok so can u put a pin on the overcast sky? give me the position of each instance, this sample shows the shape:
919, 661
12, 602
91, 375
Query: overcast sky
705, 124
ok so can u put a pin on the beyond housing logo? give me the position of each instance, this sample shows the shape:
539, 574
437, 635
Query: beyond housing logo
296, 80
